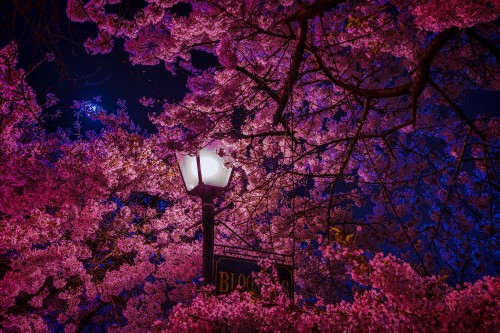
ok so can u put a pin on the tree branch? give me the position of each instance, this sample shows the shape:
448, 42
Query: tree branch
486, 43
293, 72
457, 109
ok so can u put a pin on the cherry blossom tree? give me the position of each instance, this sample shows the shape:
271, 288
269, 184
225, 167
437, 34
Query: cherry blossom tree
397, 299
83, 226
344, 123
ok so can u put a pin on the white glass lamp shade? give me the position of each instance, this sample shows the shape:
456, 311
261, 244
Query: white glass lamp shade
209, 172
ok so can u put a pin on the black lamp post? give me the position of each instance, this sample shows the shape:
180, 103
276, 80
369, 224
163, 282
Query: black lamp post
206, 176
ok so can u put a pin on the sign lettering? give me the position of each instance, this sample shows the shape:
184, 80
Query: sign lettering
236, 273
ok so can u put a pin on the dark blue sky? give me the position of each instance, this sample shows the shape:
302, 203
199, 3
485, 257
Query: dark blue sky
76, 75
109, 77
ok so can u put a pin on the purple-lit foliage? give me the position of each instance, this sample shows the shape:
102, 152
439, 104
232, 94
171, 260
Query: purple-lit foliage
344, 125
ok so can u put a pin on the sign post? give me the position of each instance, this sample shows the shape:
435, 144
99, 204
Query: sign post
231, 273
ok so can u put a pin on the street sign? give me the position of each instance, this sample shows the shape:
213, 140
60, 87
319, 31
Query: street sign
231, 273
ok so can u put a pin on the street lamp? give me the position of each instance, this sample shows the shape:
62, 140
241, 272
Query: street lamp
206, 176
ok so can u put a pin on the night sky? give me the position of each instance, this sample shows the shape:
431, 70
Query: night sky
75, 75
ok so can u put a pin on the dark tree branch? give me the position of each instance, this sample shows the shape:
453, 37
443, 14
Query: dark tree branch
457, 109
421, 75
345, 161
292, 74
369, 93
261, 84
309, 11
394, 210
495, 50
413, 88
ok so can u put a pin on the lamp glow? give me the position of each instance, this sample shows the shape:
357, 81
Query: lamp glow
213, 176
209, 167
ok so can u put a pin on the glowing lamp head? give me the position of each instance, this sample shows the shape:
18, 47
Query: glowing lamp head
205, 172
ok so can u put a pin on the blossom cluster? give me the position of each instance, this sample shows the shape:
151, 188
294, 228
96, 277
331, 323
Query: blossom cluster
392, 298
